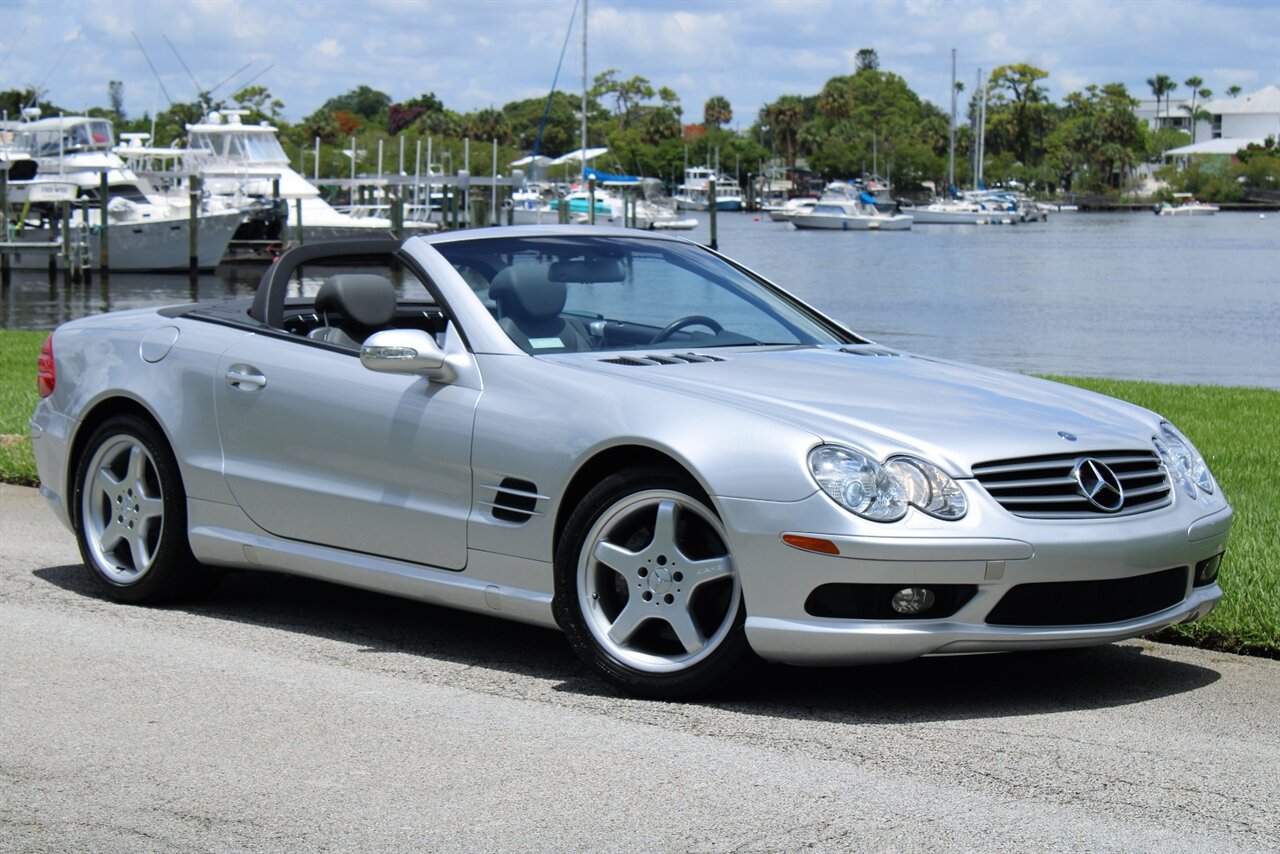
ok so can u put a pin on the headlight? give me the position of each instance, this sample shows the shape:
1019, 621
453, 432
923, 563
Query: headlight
1183, 461
882, 492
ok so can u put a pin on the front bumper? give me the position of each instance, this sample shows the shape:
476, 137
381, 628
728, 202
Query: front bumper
990, 550
826, 642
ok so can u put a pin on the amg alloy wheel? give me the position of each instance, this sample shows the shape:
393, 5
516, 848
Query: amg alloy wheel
655, 602
131, 515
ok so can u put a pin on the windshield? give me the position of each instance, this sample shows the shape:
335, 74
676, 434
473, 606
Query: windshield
65, 138
241, 147
585, 293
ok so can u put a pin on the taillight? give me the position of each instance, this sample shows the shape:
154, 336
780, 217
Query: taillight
46, 373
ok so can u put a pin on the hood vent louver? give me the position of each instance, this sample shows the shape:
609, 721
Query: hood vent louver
868, 350
664, 359
514, 500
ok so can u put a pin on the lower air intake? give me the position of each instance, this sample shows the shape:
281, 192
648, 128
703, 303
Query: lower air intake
1087, 603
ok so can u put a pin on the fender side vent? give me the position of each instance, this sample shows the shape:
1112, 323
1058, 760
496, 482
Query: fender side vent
514, 500
664, 359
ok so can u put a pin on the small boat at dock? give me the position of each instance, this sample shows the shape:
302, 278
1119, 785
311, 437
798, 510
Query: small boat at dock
1187, 205
694, 194
846, 207
788, 209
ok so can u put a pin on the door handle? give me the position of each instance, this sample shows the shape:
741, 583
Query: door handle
245, 378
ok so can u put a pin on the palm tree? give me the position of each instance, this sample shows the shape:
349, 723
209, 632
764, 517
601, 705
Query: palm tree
717, 111
1193, 83
1197, 113
1234, 91
786, 115
1157, 88
1169, 86
1161, 85
835, 101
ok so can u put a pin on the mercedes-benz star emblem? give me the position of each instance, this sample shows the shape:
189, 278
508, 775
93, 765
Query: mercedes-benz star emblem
1099, 484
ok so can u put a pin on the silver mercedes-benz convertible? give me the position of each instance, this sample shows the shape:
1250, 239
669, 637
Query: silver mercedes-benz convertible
625, 435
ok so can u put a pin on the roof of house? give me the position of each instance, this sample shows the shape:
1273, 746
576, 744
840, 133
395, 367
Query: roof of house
1265, 100
1212, 146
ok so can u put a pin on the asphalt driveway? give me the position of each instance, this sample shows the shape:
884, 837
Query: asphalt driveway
291, 715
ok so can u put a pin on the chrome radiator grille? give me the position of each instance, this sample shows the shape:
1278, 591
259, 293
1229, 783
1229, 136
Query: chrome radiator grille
1047, 488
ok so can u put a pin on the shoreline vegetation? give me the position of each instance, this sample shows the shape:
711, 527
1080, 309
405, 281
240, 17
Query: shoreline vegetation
1236, 429
869, 123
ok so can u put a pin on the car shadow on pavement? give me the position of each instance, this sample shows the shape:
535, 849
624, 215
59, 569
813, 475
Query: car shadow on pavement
974, 686
929, 689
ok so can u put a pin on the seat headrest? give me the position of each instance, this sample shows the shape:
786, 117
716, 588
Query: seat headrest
524, 291
362, 298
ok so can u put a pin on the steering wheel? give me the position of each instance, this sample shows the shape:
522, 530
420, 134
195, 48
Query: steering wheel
690, 320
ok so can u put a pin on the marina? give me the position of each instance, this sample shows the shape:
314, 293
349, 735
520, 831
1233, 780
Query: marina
1168, 299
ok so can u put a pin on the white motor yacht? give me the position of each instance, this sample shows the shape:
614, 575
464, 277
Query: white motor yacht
788, 209
957, 212
144, 231
694, 193
242, 161
846, 208
1187, 205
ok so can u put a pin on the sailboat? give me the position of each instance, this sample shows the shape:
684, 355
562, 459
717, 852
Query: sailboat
607, 203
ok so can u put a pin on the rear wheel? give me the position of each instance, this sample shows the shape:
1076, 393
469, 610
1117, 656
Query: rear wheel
131, 515
647, 590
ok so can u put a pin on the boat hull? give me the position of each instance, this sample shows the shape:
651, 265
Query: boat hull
1199, 210
851, 223
144, 247
928, 217
732, 204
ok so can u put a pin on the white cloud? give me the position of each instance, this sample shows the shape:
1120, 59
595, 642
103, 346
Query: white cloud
472, 54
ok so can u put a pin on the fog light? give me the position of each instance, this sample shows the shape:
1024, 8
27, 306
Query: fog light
912, 600
1207, 570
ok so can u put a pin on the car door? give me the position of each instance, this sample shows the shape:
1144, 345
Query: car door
321, 450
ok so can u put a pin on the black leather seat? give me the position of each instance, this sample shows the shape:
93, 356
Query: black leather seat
353, 306
529, 306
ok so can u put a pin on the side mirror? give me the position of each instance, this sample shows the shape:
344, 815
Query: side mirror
405, 351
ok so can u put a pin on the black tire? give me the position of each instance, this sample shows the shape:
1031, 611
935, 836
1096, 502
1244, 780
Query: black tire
130, 514
664, 619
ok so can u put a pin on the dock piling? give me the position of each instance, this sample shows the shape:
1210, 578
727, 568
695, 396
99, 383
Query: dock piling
104, 252
711, 211
4, 226
193, 226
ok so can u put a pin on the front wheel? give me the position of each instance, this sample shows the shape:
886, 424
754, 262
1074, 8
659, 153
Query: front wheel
131, 515
646, 588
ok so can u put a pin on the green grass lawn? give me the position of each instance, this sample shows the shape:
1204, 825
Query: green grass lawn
18, 354
1237, 430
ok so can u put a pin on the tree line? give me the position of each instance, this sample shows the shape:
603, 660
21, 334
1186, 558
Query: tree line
856, 124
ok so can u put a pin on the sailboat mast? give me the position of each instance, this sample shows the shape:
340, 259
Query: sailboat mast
974, 126
584, 89
951, 156
982, 133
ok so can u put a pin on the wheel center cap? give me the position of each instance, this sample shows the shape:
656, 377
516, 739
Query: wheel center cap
660, 580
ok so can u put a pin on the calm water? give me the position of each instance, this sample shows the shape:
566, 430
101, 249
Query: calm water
1120, 295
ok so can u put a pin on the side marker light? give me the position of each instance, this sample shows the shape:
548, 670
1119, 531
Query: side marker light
811, 544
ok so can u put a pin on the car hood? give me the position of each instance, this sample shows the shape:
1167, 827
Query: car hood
888, 402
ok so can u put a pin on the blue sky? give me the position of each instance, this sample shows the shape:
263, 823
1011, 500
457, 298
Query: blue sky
488, 52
